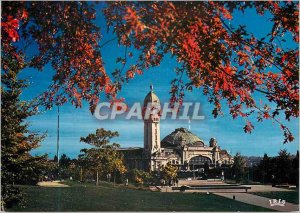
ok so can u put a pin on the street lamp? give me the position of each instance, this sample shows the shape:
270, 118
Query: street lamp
194, 171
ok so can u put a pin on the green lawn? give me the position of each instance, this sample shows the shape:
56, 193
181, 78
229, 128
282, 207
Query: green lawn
292, 196
87, 197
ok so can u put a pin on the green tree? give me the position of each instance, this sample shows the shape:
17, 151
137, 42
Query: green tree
104, 157
239, 167
265, 169
17, 164
169, 172
64, 160
82, 164
295, 170
280, 169
115, 163
139, 177
283, 166
64, 166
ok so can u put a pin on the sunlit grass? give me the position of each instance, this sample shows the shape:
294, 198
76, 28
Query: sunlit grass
106, 197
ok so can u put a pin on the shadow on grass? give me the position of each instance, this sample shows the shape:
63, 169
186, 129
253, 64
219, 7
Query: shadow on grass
106, 197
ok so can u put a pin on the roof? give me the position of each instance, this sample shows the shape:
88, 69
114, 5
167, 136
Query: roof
151, 97
129, 148
132, 151
224, 152
181, 137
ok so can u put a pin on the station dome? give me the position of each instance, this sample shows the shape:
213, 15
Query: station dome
181, 137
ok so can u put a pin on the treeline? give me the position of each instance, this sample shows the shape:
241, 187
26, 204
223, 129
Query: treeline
279, 170
83, 171
105, 161
282, 169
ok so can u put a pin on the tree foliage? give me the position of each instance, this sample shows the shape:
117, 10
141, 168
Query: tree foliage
18, 166
67, 38
104, 158
239, 167
281, 169
66, 167
227, 62
139, 177
169, 172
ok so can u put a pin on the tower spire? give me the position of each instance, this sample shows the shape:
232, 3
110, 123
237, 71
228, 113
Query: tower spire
151, 87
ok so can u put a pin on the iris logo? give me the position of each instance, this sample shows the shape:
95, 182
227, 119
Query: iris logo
275, 202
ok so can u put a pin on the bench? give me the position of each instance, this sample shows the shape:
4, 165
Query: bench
286, 186
211, 187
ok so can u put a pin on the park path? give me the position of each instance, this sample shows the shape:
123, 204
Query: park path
52, 184
266, 188
259, 201
241, 196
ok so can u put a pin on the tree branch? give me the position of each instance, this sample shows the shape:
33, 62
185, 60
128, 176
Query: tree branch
108, 41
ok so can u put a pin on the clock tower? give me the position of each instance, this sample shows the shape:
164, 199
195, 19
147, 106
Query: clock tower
151, 118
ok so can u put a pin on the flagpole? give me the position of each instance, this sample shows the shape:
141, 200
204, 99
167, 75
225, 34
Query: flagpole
57, 145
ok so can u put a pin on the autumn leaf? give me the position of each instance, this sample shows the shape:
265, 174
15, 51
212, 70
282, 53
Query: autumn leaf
248, 127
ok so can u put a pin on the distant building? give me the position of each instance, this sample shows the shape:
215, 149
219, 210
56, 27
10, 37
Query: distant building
252, 160
181, 148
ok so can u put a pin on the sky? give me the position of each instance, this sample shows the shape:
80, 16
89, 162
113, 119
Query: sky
79, 122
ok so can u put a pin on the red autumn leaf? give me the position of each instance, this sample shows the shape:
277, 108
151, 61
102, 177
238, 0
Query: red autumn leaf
284, 57
291, 138
227, 15
24, 14
248, 127
130, 74
14, 23
10, 27
196, 35
109, 89
256, 52
140, 72
266, 115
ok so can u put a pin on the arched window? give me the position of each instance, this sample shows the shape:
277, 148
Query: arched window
200, 160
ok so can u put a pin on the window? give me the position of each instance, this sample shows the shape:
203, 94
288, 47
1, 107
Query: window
200, 160
156, 134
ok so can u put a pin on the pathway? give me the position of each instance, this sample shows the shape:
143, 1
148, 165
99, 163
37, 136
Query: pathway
266, 188
259, 201
241, 196
51, 184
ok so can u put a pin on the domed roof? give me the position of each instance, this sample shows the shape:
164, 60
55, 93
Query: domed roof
151, 97
181, 137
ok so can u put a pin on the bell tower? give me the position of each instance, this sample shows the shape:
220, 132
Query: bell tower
151, 116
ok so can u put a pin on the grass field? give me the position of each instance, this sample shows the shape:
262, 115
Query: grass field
87, 197
292, 196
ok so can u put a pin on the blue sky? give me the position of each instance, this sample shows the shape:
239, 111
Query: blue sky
75, 123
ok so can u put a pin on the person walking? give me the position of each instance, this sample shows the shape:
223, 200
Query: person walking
163, 182
176, 180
